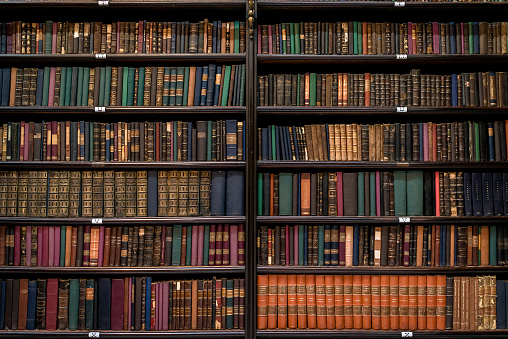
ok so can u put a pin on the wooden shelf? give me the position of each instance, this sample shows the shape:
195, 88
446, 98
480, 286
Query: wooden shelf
116, 271
122, 164
126, 334
379, 220
318, 334
125, 3
470, 270
382, 165
123, 221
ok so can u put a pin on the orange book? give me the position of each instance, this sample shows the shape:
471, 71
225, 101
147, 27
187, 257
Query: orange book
348, 301
305, 194
301, 298
413, 302
441, 302
74, 241
320, 302
292, 302
330, 302
422, 302
375, 289
345, 89
394, 302
338, 282
366, 302
310, 284
192, 83
272, 301
484, 245
68, 246
385, 302
12, 95
419, 245
456, 303
282, 301
357, 302
349, 246
339, 93
432, 302
364, 38
403, 302
94, 246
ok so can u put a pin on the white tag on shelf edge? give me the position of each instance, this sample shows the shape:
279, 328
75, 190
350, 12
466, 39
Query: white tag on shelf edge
401, 56
101, 56
96, 221
401, 109
103, 2
407, 334
406, 220
94, 334
100, 109
399, 4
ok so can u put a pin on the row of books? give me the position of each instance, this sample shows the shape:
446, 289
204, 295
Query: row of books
479, 89
212, 85
128, 304
390, 246
376, 38
387, 302
120, 193
106, 246
209, 140
383, 193
122, 37
424, 141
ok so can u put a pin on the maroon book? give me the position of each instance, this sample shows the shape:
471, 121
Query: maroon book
51, 304
117, 295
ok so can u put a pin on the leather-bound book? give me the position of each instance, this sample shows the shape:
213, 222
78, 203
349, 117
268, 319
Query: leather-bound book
403, 302
385, 302
86, 194
431, 302
117, 298
73, 304
272, 301
413, 302
357, 302
422, 302
339, 301
52, 304
376, 301
82, 304
282, 301
394, 302
41, 304
74, 193
120, 194
63, 304
142, 193
22, 304
310, 282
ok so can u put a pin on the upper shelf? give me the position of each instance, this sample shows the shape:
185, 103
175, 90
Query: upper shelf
154, 165
124, 3
123, 221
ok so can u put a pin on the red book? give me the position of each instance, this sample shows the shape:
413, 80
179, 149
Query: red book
385, 302
17, 245
293, 303
330, 302
45, 245
233, 245
51, 304
211, 250
165, 305
339, 301
241, 244
422, 302
357, 302
366, 302
434, 142
431, 302
51, 246
225, 245
270, 40
441, 302
413, 302
117, 298
301, 298
101, 245
320, 302
194, 257
126, 301
340, 195
200, 241
54, 34
310, 282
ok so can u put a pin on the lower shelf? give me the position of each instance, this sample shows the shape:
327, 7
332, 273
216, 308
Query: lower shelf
379, 334
122, 334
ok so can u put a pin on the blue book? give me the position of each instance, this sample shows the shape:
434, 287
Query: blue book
214, 34
334, 246
327, 247
2, 304
468, 198
216, 91
488, 198
235, 197
453, 36
148, 305
505, 196
197, 86
218, 193
210, 87
497, 191
74, 140
501, 306
6, 80
204, 86
103, 303
454, 90
31, 305
476, 37
152, 198
356, 238
490, 129
477, 194
231, 144
189, 142
321, 244
295, 143
277, 143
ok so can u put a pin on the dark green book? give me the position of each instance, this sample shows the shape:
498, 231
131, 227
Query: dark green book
177, 245
73, 304
86, 80
141, 86
285, 194
107, 86
400, 189
185, 86
361, 193
229, 303
125, 81
68, 85
130, 87
206, 245
80, 88
312, 89
415, 193
225, 87
188, 249
62, 245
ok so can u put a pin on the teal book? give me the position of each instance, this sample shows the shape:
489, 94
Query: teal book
130, 86
45, 88
360, 38
186, 86
414, 193
225, 87
79, 101
102, 82
209, 141
62, 245
86, 80
165, 87
188, 250
355, 37
48, 39
372, 190
492, 245
206, 245
284, 38
292, 35
73, 304
400, 192
229, 304
107, 86
297, 38
237, 37
321, 245
68, 84
63, 86
361, 193
125, 81
260, 194
242, 86
177, 245
285, 193
312, 89
141, 86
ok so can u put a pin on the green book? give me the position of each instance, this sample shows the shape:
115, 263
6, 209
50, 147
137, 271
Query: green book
321, 245
172, 87
237, 37
471, 38
477, 141
125, 81
89, 304
312, 89
297, 38
209, 141
284, 37
68, 84
400, 192
176, 255
285, 194
206, 245
141, 86
102, 87
292, 35
80, 87
493, 245
107, 86
45, 88
414, 192
260, 193
229, 304
355, 37
360, 38
130, 86
165, 87
242, 87
301, 244
274, 145
372, 190
62, 245
73, 304
225, 89
179, 85
63, 86
186, 86
188, 252
361, 193
48, 40
86, 80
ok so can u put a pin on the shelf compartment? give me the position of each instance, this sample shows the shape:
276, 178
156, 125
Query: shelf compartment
107, 271
123, 221
125, 334
318, 334
381, 165
380, 220
117, 110
61, 165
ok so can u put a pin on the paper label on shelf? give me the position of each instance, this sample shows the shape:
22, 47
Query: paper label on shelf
405, 219
103, 3
100, 109
94, 334
401, 109
100, 55
401, 56
407, 334
97, 221
399, 3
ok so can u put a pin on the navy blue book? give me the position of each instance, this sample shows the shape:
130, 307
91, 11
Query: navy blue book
31, 305
505, 193
454, 90
219, 36
295, 143
74, 140
231, 142
476, 37
269, 134
334, 247
6, 80
210, 88
468, 197
40, 85
190, 153
497, 193
453, 42
104, 303
235, 197
148, 292
277, 143
216, 91
477, 194
264, 143
488, 198
501, 306
356, 238
282, 139
490, 129
214, 39
327, 248
218, 193
266, 193
204, 86
2, 304
151, 194
197, 86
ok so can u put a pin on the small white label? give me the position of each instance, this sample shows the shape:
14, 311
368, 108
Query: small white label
100, 56
401, 109
96, 221
405, 219
94, 334
100, 109
399, 3
103, 2
401, 56
407, 334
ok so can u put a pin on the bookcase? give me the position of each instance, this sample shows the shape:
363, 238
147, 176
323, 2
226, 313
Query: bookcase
268, 177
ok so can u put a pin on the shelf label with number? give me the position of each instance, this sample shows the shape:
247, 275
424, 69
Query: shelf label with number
401, 56
101, 56
404, 219
399, 4
94, 334
407, 334
100, 109
97, 221
401, 109
103, 2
